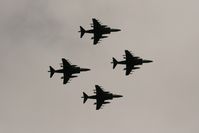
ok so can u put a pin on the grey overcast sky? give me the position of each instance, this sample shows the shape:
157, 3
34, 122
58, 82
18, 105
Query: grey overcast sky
161, 97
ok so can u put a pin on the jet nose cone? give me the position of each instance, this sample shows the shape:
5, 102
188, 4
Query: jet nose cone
115, 30
147, 61
85, 69
117, 96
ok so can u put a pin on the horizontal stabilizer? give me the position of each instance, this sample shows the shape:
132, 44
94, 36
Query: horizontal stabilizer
85, 96
82, 31
114, 62
52, 71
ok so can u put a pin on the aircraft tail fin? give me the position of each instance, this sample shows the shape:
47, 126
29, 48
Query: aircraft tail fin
114, 62
85, 96
52, 71
82, 31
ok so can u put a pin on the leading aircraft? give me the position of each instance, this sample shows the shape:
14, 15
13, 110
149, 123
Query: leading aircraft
68, 70
98, 31
101, 97
130, 62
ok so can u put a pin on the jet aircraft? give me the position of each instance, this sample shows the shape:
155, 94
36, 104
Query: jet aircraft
130, 62
98, 30
101, 97
68, 70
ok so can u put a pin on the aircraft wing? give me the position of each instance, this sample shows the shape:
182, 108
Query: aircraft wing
96, 24
99, 90
129, 56
99, 94
99, 103
66, 64
96, 38
129, 66
66, 78
97, 33
129, 69
67, 75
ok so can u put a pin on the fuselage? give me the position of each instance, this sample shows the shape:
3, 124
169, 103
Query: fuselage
134, 61
72, 70
105, 96
102, 30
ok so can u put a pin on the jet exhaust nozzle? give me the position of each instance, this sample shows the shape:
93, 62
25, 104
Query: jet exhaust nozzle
114, 62
52, 71
85, 96
147, 61
85, 69
82, 31
115, 30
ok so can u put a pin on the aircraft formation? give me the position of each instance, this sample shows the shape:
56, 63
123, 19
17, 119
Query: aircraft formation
69, 71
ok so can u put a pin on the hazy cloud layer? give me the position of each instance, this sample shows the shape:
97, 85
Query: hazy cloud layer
160, 97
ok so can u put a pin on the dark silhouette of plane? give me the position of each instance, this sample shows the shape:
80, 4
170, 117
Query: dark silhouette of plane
130, 62
98, 31
68, 70
100, 97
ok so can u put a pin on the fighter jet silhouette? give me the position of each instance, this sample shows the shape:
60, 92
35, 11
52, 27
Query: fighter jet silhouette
98, 31
68, 71
130, 62
100, 97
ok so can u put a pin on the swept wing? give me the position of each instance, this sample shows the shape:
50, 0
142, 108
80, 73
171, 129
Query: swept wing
66, 78
67, 75
100, 98
129, 58
97, 31
66, 64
